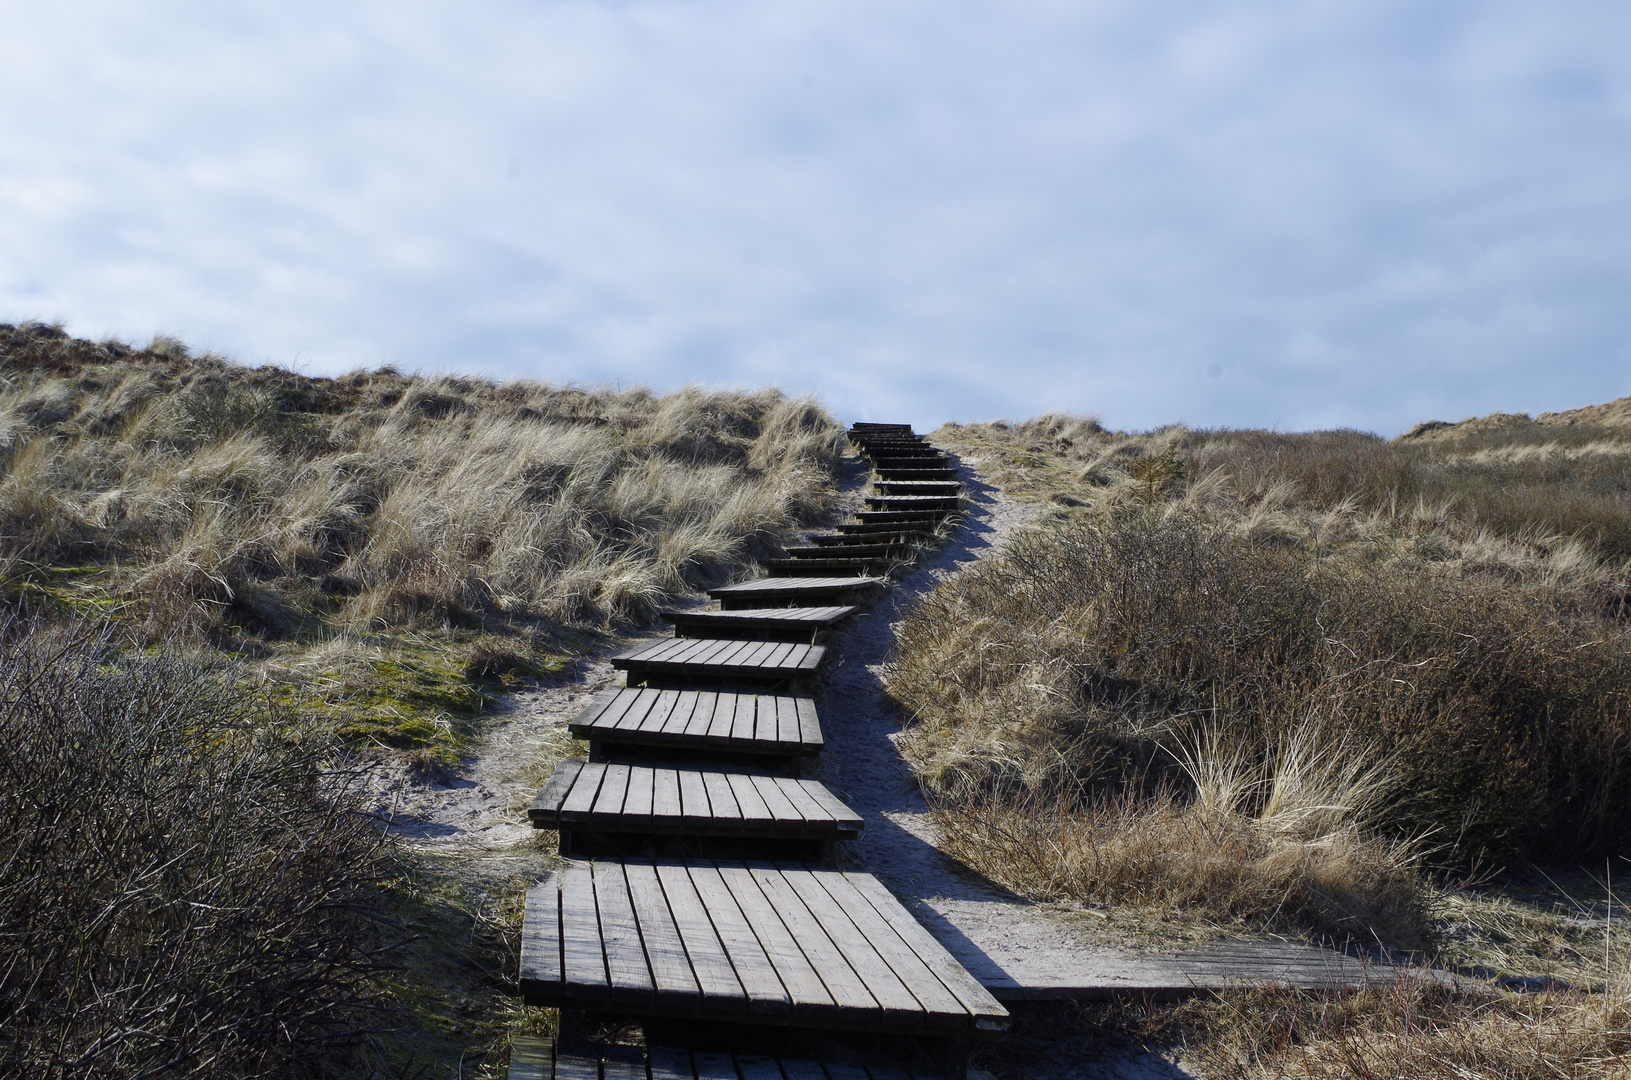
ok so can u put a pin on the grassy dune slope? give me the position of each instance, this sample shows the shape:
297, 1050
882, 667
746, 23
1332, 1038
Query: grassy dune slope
1299, 682
223, 587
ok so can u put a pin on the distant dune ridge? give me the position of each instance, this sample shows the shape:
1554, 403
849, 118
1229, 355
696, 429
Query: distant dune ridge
1616, 413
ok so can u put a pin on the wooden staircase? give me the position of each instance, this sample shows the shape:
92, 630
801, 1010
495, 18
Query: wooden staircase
701, 885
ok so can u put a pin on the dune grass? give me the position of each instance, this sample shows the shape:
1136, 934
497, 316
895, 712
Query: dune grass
383, 549
1239, 674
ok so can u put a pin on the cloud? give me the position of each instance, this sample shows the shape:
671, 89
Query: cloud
1302, 214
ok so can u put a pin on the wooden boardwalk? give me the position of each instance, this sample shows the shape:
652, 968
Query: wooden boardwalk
779, 943
705, 745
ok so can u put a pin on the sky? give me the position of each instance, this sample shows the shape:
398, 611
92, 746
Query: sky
1254, 213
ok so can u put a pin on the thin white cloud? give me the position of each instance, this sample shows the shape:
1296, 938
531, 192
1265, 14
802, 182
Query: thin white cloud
1288, 213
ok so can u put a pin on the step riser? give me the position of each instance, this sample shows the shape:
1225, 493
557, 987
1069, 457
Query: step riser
917, 474
832, 567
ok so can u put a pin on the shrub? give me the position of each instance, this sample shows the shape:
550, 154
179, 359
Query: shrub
182, 892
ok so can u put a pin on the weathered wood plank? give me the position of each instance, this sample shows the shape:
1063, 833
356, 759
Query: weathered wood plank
913, 973
664, 950
695, 808
810, 998
637, 808
713, 1066
541, 965
667, 1063
765, 993
847, 987
583, 958
710, 963
723, 800
781, 808
809, 722
752, 806
614, 787
623, 1063
620, 937
666, 808
988, 1014
569, 1066
548, 802
882, 982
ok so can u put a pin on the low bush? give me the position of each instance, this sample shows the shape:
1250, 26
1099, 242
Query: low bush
184, 889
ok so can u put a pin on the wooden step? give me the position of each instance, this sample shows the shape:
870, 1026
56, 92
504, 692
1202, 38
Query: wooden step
910, 524
922, 461
767, 943
532, 1058
764, 624
917, 487
859, 548
720, 661
830, 566
710, 721
689, 801
892, 517
916, 474
912, 502
795, 592
866, 535
862, 425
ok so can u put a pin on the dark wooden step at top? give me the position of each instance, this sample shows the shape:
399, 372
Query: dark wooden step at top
831, 566
851, 551
775, 943
897, 517
720, 659
795, 591
916, 474
913, 502
661, 800
910, 525
919, 461
777, 725
767, 624
866, 535
533, 1058
863, 425
875, 445
917, 487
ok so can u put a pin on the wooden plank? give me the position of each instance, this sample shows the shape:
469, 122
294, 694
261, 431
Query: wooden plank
752, 806
581, 798
835, 1071
810, 998
548, 802
624, 1062
631, 981
780, 806
710, 964
667, 1063
531, 1058
702, 714
613, 789
663, 705
724, 715
637, 808
898, 1002
640, 705
665, 797
787, 719
742, 717
799, 1069
835, 806
766, 996
809, 809
809, 722
541, 963
570, 1066
714, 1066
665, 951
607, 700
695, 808
848, 989
721, 797
988, 1014
583, 961
924, 985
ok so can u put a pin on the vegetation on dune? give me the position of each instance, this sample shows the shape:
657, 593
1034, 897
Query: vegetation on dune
279, 572
385, 548
186, 887
1232, 672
